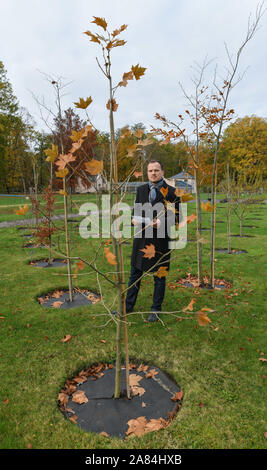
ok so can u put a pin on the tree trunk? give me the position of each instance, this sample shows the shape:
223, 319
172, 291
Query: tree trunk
228, 211
117, 248
199, 231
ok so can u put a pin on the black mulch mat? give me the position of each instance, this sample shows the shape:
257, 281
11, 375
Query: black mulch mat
251, 226
243, 236
61, 299
44, 263
233, 252
87, 400
33, 245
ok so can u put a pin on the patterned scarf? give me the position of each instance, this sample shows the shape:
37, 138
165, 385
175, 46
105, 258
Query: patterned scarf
153, 189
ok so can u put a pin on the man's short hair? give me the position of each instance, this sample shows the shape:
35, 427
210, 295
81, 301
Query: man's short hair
155, 161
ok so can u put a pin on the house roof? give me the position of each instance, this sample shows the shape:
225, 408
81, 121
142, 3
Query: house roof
183, 174
183, 185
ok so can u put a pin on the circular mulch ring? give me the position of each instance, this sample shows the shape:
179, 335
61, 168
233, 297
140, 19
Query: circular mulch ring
44, 263
251, 226
243, 236
33, 245
22, 228
233, 252
87, 400
60, 298
192, 282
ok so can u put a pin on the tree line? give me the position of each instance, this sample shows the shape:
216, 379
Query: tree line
22, 148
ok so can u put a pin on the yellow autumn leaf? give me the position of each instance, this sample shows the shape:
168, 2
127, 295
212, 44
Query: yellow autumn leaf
187, 197
138, 71
76, 135
161, 272
51, 153
63, 193
83, 104
62, 173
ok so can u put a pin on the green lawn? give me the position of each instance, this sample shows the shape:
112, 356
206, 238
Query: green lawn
220, 367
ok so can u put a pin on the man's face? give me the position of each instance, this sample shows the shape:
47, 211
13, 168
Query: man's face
154, 172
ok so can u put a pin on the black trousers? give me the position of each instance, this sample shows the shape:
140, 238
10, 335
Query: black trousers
132, 292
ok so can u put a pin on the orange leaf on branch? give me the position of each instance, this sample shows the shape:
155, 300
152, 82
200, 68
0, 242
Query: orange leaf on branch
118, 31
94, 38
149, 251
64, 160
113, 103
100, 22
111, 258
137, 174
161, 272
94, 167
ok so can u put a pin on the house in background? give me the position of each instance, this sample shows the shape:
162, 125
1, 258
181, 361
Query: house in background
98, 183
183, 180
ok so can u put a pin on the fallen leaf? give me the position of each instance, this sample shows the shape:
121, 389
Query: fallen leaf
178, 396
136, 426
63, 398
73, 419
57, 304
203, 319
262, 359
189, 306
104, 434
151, 374
142, 368
103, 341
66, 339
79, 397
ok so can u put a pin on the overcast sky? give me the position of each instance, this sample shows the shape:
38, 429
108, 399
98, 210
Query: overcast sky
165, 36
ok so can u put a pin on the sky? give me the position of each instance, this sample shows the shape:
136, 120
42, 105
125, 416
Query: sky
45, 38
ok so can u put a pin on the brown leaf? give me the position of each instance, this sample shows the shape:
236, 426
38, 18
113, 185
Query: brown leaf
79, 397
66, 339
114, 105
178, 396
136, 426
118, 31
162, 271
138, 71
104, 434
100, 22
149, 251
203, 319
63, 398
142, 368
73, 419
155, 425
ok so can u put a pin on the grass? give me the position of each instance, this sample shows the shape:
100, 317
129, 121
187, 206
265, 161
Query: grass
217, 366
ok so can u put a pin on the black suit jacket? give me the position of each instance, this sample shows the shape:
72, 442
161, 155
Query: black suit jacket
162, 252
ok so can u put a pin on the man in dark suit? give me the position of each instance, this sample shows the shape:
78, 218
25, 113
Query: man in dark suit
151, 218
